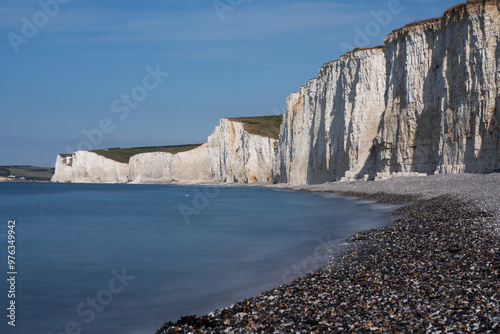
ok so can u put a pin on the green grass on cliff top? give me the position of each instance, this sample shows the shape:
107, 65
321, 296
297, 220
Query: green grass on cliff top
265, 126
124, 154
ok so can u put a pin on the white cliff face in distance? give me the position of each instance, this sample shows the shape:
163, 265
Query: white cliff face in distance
151, 167
238, 156
185, 167
89, 167
231, 154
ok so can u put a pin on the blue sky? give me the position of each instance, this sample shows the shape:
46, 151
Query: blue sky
73, 67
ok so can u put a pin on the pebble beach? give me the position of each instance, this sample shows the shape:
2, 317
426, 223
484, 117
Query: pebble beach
434, 269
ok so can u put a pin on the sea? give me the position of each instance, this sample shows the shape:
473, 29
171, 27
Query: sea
106, 259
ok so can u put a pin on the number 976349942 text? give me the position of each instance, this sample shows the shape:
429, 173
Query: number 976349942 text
11, 273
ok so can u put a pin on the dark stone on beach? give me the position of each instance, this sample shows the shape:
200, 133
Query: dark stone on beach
436, 268
194, 321
188, 321
358, 237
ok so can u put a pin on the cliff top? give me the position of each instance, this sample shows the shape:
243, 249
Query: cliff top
457, 8
463, 5
353, 51
345, 55
124, 154
363, 49
265, 126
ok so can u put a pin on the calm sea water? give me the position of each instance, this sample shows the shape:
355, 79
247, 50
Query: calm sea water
126, 258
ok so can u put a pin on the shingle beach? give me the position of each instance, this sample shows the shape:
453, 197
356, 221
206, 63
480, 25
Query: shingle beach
435, 269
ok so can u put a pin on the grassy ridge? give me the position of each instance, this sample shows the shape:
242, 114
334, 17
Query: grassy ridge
124, 154
265, 126
30, 173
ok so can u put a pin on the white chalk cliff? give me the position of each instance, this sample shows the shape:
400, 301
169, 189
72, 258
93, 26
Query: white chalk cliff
238, 156
428, 98
186, 167
89, 167
230, 154
443, 80
426, 102
330, 124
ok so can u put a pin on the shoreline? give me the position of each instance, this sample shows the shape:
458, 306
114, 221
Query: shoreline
435, 267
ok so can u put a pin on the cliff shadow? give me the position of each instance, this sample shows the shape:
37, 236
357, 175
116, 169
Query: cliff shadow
458, 128
383, 142
490, 147
425, 150
339, 156
317, 170
349, 128
371, 164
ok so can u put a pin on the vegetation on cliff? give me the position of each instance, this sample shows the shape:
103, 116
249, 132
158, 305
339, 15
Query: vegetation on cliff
265, 126
124, 154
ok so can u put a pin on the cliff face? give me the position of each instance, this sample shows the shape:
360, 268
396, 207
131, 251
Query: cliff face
330, 124
89, 167
443, 80
237, 156
187, 167
151, 167
231, 154
429, 99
